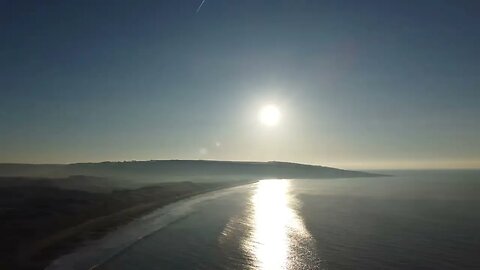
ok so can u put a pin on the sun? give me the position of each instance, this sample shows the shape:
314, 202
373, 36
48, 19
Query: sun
269, 115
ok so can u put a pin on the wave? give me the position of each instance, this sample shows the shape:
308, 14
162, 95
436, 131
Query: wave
95, 253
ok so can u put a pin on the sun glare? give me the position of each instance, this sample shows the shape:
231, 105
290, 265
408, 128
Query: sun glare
269, 115
278, 229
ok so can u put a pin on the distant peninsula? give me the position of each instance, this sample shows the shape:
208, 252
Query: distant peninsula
179, 170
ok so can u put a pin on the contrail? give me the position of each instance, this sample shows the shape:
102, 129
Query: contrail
199, 7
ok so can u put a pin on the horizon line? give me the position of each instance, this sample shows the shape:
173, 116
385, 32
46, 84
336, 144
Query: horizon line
401, 168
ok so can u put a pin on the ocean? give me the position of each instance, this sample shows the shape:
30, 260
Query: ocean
411, 220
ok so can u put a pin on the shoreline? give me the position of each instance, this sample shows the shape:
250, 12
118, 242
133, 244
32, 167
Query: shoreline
44, 251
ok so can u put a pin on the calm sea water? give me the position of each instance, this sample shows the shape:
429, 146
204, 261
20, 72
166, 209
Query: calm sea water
414, 220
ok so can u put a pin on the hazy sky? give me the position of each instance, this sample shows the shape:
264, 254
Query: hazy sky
360, 84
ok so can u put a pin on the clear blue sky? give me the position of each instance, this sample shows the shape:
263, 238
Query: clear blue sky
360, 84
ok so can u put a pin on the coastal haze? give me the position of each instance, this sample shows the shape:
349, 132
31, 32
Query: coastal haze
49, 210
168, 170
426, 219
256, 135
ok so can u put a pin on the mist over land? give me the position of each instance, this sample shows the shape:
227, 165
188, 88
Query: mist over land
180, 170
51, 209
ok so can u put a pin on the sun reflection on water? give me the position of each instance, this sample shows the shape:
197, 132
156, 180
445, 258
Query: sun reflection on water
278, 234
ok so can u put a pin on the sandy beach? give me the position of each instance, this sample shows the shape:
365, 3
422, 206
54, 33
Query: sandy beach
42, 222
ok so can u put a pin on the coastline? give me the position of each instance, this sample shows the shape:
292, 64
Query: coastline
39, 254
